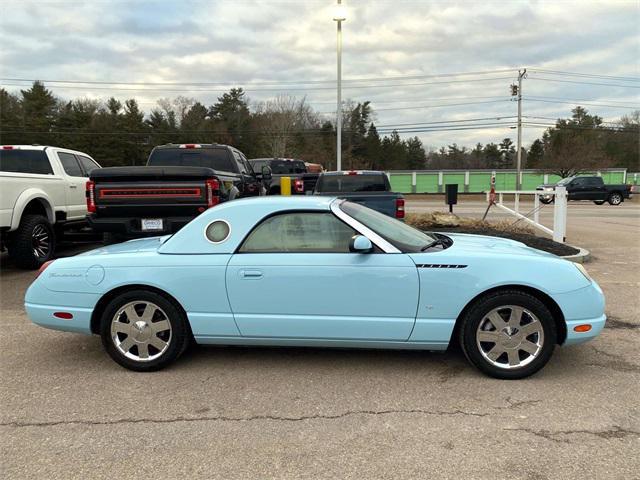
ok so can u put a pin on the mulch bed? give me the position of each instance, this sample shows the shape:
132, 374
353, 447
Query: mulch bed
541, 243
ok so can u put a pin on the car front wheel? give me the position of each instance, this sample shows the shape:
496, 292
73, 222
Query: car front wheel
508, 335
143, 331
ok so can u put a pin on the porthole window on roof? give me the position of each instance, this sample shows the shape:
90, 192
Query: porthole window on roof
217, 231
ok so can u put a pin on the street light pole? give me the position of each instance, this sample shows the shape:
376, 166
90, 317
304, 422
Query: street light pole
521, 75
339, 17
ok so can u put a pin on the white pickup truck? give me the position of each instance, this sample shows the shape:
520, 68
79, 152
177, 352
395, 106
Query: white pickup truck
42, 193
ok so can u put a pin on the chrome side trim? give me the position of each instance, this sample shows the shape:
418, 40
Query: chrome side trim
380, 242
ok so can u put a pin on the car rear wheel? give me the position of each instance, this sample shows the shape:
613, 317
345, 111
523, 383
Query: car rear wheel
508, 335
33, 243
143, 331
615, 199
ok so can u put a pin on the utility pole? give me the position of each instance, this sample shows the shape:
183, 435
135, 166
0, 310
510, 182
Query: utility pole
518, 92
339, 17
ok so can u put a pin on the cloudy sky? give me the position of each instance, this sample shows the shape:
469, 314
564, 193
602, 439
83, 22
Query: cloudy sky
400, 55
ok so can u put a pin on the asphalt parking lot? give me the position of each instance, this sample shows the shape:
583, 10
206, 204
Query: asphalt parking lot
68, 411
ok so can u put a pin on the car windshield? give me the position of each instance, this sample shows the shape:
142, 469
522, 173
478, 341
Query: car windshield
352, 183
564, 181
405, 238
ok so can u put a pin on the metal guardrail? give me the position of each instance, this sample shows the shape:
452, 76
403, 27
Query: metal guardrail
559, 230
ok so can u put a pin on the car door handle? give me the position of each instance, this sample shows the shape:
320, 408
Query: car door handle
250, 273
73, 186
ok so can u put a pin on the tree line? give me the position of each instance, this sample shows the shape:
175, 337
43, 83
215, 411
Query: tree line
119, 133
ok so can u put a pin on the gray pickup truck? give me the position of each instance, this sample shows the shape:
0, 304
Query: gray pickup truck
367, 187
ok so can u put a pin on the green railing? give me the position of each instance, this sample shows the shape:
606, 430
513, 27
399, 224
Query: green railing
477, 181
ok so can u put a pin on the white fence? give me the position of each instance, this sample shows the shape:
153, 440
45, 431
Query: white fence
559, 230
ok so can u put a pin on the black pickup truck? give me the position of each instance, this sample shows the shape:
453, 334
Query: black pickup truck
302, 181
368, 187
588, 188
178, 183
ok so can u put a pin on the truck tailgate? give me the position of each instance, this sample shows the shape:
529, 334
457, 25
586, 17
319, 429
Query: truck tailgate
383, 202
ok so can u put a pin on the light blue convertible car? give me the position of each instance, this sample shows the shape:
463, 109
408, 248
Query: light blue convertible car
323, 272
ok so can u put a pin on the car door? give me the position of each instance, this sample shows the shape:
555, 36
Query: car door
294, 277
75, 189
577, 189
595, 189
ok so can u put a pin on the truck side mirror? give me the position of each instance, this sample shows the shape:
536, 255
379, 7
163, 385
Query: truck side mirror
266, 173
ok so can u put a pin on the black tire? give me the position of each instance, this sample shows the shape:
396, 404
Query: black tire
615, 198
599, 202
477, 313
33, 243
177, 339
109, 238
546, 201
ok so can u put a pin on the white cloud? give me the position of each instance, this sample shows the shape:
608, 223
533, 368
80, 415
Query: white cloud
225, 40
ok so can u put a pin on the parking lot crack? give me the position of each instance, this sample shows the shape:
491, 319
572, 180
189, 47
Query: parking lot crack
277, 418
615, 432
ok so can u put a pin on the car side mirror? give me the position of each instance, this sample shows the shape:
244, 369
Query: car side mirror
360, 244
266, 173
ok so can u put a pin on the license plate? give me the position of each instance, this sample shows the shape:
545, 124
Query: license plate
152, 224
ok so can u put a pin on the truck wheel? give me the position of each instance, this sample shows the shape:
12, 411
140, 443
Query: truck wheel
615, 199
599, 202
32, 243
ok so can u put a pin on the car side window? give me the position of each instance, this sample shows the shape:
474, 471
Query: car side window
70, 164
241, 167
87, 164
299, 232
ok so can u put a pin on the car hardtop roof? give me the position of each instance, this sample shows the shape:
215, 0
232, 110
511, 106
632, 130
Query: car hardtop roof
358, 172
40, 148
277, 203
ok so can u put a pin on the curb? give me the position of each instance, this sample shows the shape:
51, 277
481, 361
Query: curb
583, 256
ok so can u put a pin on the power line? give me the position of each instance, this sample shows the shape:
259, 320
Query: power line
265, 83
585, 75
349, 87
583, 103
584, 83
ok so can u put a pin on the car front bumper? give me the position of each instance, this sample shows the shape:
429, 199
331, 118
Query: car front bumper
584, 306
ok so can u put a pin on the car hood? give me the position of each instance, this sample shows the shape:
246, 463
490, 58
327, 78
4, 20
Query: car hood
546, 185
469, 243
150, 244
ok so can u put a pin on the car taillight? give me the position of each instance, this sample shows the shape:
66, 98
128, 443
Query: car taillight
90, 194
7, 147
44, 266
213, 192
352, 172
298, 186
400, 208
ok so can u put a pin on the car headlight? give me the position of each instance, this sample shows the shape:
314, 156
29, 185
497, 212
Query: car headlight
583, 271
548, 189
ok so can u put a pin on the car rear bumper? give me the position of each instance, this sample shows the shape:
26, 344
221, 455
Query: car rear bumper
43, 315
132, 225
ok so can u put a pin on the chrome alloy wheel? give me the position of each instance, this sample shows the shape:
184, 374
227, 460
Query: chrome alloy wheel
141, 331
40, 242
510, 337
